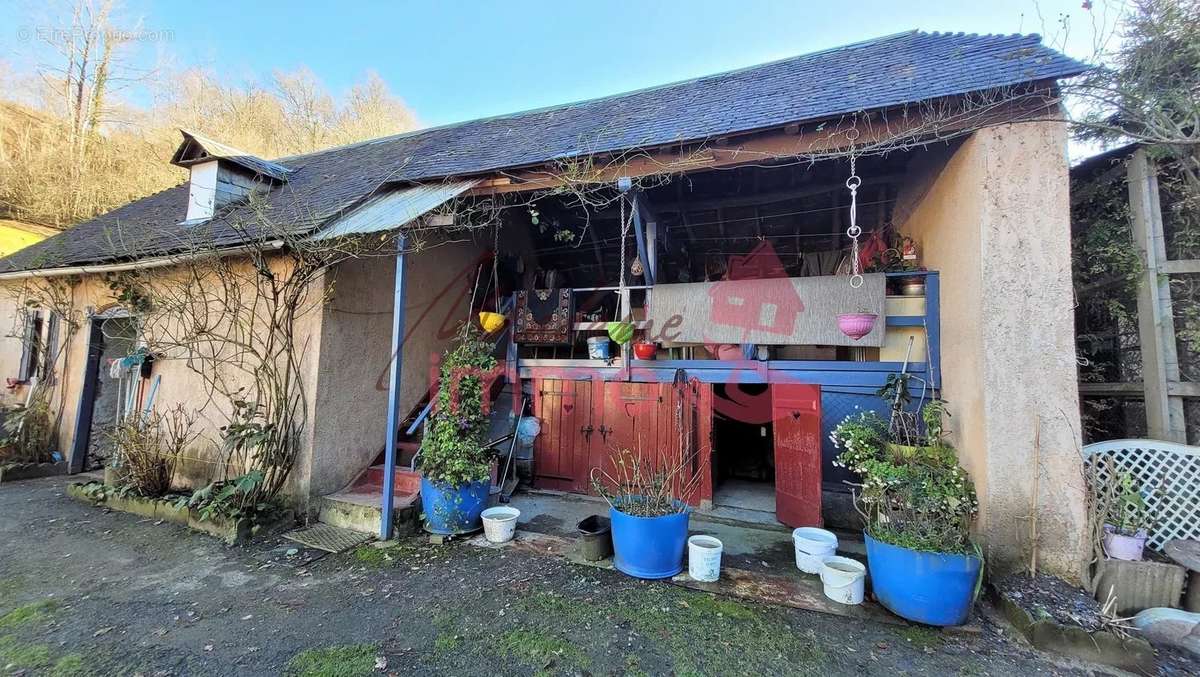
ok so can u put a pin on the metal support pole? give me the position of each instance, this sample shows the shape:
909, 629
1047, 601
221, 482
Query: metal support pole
393, 414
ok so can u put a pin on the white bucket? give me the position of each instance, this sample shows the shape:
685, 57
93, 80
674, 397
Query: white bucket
813, 546
500, 523
704, 558
844, 579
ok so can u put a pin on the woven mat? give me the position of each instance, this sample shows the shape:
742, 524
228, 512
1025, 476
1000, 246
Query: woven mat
328, 538
779, 311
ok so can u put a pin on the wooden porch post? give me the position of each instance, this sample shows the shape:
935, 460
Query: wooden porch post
1156, 321
393, 414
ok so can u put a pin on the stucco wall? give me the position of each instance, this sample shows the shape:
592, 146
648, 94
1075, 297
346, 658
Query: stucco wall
179, 384
355, 354
992, 214
344, 360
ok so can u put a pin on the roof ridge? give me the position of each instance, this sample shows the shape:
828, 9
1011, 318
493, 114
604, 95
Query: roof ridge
877, 73
606, 97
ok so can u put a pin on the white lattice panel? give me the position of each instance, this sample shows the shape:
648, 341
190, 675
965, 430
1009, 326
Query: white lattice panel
1169, 475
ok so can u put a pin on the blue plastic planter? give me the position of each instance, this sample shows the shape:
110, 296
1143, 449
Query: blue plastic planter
926, 587
649, 547
453, 510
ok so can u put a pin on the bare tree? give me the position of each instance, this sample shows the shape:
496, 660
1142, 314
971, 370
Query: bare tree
1145, 83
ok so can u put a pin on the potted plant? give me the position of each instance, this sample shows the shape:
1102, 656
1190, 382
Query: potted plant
648, 511
918, 504
455, 464
1127, 520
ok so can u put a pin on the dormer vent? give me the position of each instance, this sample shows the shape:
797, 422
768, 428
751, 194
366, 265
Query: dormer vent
222, 175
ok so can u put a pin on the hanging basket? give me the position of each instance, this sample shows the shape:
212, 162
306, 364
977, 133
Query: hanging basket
856, 325
491, 321
621, 332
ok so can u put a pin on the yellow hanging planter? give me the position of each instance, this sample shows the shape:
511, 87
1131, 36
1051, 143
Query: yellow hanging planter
491, 322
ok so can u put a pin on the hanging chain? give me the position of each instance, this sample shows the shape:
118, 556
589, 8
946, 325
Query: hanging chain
624, 235
853, 232
496, 266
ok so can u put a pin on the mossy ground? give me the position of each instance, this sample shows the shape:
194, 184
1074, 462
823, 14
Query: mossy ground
381, 556
136, 597
350, 660
22, 651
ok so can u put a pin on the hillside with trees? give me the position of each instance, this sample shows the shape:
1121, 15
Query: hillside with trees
73, 146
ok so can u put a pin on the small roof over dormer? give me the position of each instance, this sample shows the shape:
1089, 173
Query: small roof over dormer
197, 148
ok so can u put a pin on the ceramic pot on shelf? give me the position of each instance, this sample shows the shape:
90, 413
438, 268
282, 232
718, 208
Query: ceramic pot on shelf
644, 351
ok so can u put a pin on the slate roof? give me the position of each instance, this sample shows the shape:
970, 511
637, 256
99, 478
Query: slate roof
883, 72
217, 150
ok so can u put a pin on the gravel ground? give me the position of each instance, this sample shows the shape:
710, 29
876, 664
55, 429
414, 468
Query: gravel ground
1053, 597
84, 591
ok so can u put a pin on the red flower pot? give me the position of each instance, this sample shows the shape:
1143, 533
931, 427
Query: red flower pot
644, 351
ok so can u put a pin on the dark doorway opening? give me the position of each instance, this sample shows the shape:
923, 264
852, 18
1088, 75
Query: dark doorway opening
101, 399
743, 450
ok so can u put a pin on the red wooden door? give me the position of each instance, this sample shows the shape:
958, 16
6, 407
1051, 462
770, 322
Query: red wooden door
561, 452
634, 419
687, 411
653, 420
796, 416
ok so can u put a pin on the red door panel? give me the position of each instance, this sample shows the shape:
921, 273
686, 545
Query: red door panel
562, 449
631, 422
796, 415
647, 418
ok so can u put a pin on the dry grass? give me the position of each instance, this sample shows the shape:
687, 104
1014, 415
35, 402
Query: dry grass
150, 446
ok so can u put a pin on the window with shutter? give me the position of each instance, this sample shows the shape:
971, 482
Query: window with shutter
30, 345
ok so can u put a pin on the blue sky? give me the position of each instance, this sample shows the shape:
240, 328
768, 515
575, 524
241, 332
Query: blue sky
457, 60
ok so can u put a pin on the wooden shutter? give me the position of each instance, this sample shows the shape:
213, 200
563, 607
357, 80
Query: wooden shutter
29, 345
797, 423
50, 350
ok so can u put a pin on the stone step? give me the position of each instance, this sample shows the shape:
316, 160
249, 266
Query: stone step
361, 511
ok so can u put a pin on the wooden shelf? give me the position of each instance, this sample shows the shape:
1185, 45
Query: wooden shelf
603, 326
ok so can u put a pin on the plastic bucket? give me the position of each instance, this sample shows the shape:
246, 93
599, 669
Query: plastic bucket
528, 430
500, 523
704, 558
926, 587
453, 510
844, 579
649, 547
813, 546
595, 538
1120, 546
598, 347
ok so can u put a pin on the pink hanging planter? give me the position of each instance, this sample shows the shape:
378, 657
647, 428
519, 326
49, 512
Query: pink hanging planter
856, 325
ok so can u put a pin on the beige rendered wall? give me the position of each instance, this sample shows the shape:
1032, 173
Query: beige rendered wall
356, 332
179, 384
992, 215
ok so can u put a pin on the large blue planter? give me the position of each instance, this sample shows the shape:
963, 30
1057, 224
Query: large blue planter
926, 587
453, 510
649, 547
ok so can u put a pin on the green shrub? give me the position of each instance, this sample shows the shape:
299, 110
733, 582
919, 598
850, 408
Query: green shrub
453, 451
912, 496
